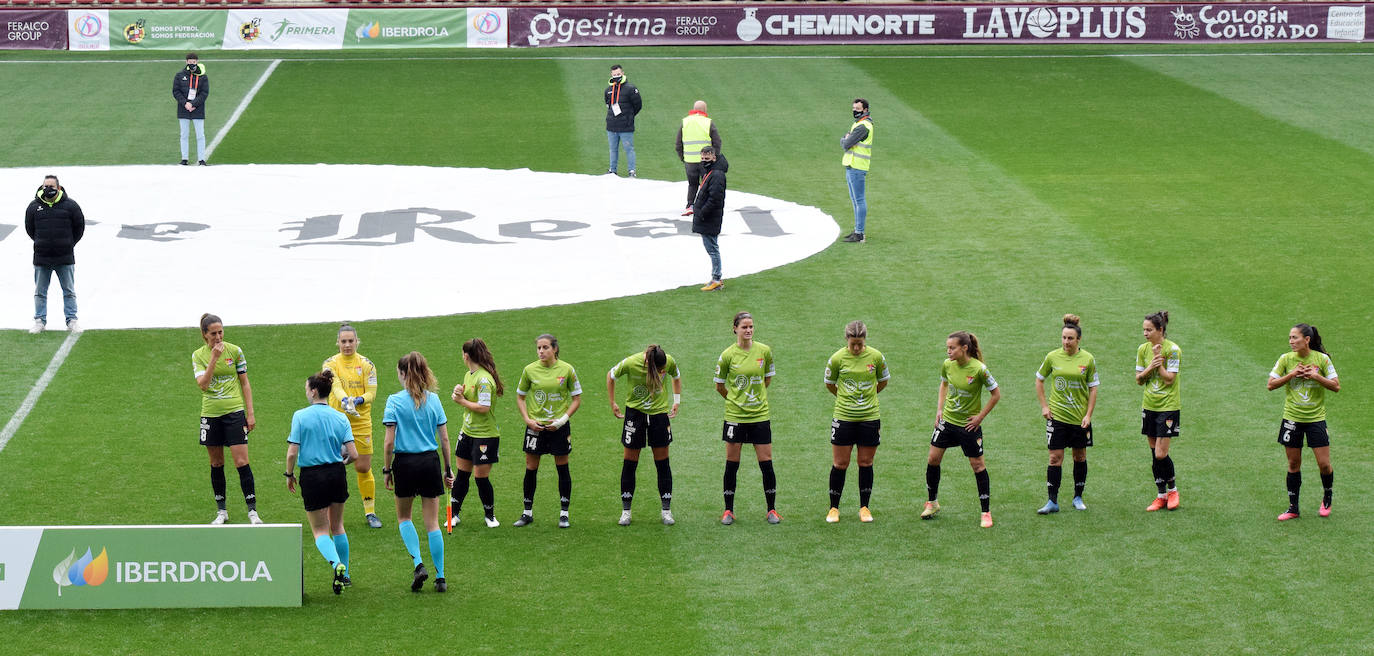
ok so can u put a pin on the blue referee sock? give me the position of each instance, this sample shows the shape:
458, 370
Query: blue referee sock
436, 552
411, 540
326, 546
341, 546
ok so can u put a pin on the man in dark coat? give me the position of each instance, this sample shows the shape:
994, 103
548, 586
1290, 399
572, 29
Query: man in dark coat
55, 223
190, 87
708, 210
622, 104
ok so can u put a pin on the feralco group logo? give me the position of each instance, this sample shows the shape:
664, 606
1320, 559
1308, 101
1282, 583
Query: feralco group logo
249, 31
83, 571
134, 32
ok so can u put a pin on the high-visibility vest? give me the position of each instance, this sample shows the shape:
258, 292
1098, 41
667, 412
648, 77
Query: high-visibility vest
860, 154
696, 132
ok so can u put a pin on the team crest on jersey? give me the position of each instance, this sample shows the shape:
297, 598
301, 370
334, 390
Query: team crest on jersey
560, 380
871, 368
970, 380
1083, 370
760, 361
359, 370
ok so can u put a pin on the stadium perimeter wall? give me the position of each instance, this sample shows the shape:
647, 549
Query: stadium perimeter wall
639, 25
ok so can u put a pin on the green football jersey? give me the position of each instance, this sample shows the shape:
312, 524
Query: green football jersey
224, 394
1304, 398
548, 391
856, 379
964, 389
636, 374
480, 387
1068, 378
743, 372
1159, 395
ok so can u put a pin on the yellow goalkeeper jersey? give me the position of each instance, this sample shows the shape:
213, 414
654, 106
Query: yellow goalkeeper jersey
354, 376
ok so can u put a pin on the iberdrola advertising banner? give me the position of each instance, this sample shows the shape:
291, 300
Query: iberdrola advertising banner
406, 28
150, 566
188, 29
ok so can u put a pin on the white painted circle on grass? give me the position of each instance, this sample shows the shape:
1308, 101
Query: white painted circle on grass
271, 244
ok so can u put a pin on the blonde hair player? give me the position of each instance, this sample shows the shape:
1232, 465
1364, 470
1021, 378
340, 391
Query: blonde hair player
355, 388
854, 375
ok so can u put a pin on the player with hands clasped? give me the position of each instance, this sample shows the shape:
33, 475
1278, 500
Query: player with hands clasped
743, 374
959, 416
414, 417
547, 395
355, 387
648, 417
322, 441
1305, 373
479, 442
226, 413
1156, 369
855, 375
1071, 373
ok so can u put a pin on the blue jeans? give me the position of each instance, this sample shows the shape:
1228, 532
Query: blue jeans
42, 278
856, 196
712, 244
186, 124
616, 139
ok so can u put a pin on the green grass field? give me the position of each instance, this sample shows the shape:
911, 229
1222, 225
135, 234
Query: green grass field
1230, 189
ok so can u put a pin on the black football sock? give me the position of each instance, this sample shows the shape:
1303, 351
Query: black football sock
865, 485
460, 489
665, 483
731, 469
770, 483
984, 489
1157, 468
1168, 470
217, 484
1294, 485
564, 486
249, 488
1327, 479
932, 482
488, 496
1053, 475
836, 485
531, 483
627, 483
1080, 477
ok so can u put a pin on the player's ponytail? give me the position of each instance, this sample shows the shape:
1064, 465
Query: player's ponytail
1071, 321
416, 376
1314, 338
969, 341
207, 320
1160, 320
477, 351
322, 383
654, 362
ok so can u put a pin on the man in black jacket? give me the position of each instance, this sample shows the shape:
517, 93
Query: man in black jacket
622, 104
708, 210
190, 87
55, 223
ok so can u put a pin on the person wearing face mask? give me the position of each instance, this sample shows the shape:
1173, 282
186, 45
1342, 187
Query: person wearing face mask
190, 88
858, 153
622, 104
55, 224
708, 210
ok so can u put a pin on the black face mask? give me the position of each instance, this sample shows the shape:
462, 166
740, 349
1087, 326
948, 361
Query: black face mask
617, 78
859, 114
191, 68
708, 164
49, 192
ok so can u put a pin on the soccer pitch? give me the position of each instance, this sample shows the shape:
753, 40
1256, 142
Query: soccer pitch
1228, 185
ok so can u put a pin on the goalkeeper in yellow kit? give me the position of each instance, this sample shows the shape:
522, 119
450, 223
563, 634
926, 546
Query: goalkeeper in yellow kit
355, 387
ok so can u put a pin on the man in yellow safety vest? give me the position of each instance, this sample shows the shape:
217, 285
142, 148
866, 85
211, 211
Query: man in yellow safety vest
858, 153
697, 130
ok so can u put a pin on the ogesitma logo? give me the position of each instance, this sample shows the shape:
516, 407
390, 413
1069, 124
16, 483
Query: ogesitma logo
81, 571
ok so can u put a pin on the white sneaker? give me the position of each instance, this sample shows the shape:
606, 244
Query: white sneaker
220, 518
37, 327
668, 518
253, 517
624, 518
73, 326
492, 523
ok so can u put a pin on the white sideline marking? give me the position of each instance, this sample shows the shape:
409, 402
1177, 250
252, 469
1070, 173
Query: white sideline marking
243, 104
32, 399
713, 57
